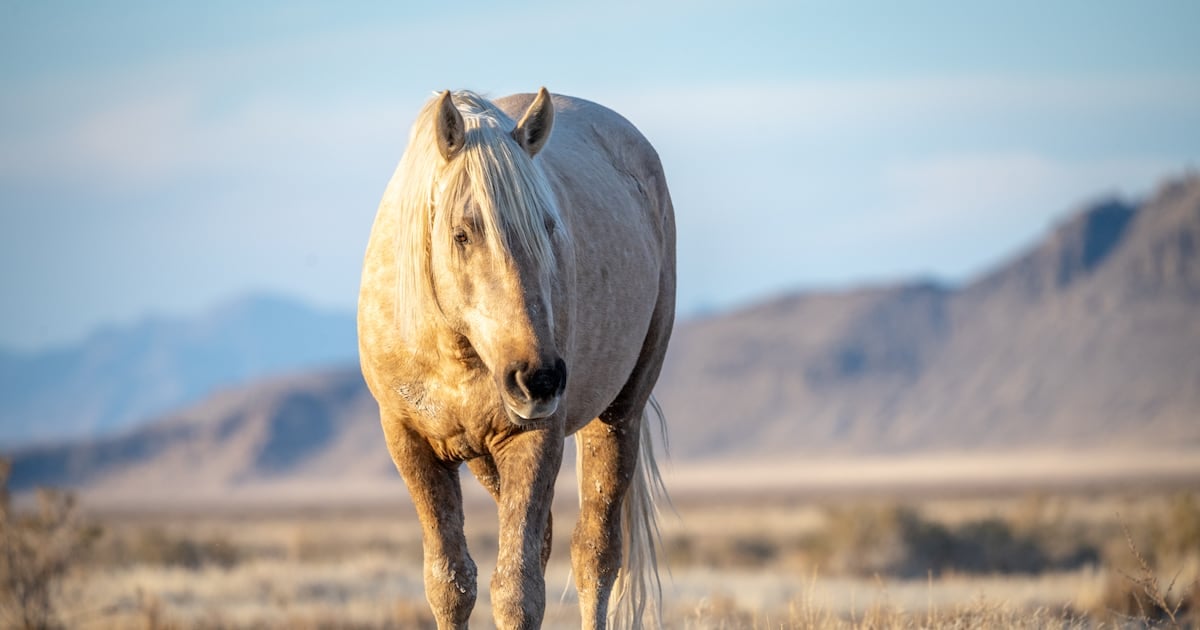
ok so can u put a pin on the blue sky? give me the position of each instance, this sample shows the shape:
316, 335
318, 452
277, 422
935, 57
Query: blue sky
163, 157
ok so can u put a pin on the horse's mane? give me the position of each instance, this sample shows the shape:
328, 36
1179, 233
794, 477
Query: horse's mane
492, 171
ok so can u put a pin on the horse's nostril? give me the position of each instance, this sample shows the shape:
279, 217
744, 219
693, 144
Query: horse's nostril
540, 384
543, 383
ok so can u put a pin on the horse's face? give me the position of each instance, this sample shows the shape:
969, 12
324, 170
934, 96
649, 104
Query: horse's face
498, 301
493, 292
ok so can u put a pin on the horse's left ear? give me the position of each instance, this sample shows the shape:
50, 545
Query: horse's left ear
534, 129
449, 127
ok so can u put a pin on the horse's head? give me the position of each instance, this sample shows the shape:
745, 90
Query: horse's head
491, 250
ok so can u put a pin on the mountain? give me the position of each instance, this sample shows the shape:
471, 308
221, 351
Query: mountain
1089, 339
121, 375
318, 424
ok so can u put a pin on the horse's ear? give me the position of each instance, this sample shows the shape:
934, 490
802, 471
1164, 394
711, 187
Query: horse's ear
534, 129
449, 128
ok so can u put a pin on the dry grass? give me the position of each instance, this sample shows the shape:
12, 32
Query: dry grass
865, 562
39, 549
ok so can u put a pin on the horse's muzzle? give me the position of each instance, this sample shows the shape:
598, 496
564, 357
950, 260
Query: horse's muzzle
532, 393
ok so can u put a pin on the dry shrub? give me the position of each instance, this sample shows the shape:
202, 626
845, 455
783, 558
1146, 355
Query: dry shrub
37, 551
309, 546
322, 544
720, 612
1154, 567
991, 545
151, 614
1138, 593
863, 539
413, 614
987, 614
1169, 539
808, 614
156, 546
680, 550
898, 541
334, 621
1177, 534
726, 552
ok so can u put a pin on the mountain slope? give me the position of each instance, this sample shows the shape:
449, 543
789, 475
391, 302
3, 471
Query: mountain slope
1089, 339
318, 424
119, 376
799, 371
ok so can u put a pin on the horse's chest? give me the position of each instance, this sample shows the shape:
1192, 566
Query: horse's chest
457, 415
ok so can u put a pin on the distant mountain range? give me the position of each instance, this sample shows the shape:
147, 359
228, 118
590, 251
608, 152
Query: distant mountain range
120, 376
1089, 339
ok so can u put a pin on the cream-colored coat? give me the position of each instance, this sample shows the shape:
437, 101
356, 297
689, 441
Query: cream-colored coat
519, 287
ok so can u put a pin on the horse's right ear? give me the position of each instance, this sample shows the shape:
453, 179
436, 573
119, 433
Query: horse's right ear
450, 130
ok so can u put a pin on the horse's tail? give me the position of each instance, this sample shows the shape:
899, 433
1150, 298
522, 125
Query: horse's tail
638, 587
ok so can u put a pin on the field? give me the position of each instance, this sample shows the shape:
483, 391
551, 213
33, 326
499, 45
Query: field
864, 545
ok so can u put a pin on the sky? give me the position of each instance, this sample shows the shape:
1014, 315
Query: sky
166, 157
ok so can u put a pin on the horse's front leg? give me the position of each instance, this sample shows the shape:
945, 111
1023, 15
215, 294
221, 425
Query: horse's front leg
485, 471
527, 464
437, 495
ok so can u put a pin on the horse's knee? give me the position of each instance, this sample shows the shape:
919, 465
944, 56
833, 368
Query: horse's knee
518, 601
450, 589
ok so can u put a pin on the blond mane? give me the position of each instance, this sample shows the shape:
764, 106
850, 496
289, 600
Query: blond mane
492, 171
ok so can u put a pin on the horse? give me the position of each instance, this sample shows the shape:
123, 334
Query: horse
519, 287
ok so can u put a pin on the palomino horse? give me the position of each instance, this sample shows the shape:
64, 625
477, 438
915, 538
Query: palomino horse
519, 288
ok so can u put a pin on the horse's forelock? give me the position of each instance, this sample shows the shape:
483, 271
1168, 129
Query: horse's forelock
491, 171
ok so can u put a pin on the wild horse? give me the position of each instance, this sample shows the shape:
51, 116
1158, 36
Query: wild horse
519, 287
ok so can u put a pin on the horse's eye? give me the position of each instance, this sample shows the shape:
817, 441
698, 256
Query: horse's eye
460, 236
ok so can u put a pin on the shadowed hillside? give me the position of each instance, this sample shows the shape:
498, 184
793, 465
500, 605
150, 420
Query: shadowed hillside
1089, 339
321, 425
122, 375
